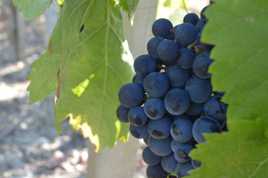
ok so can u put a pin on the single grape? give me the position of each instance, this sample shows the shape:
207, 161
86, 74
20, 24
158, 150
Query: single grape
149, 157
138, 78
199, 89
185, 34
162, 28
160, 147
178, 76
186, 58
144, 65
181, 129
154, 108
156, 171
152, 46
201, 65
191, 18
168, 51
138, 132
122, 113
156, 84
131, 95
195, 109
216, 109
213, 107
184, 168
177, 101
169, 164
137, 117
181, 151
159, 129
203, 125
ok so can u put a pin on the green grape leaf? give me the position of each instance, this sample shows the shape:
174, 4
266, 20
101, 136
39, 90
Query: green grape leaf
240, 153
129, 6
83, 66
32, 8
239, 31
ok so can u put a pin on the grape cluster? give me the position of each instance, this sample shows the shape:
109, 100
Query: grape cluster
170, 104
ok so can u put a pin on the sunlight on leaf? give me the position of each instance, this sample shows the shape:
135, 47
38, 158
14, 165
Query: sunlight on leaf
80, 126
60, 2
80, 88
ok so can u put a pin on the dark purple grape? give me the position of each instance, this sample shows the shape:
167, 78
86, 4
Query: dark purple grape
131, 95
177, 101
185, 34
216, 109
150, 158
156, 171
168, 51
159, 129
191, 18
154, 108
156, 84
152, 46
137, 117
144, 65
201, 65
204, 125
181, 151
160, 147
186, 59
181, 129
199, 89
184, 168
162, 28
122, 113
138, 132
138, 78
178, 76
169, 164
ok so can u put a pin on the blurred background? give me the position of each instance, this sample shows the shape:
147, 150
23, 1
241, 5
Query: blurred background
29, 144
